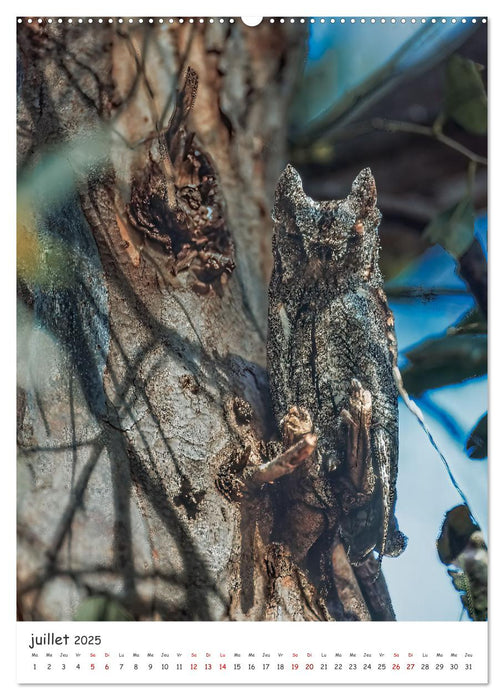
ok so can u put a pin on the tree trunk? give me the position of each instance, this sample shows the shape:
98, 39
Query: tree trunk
144, 239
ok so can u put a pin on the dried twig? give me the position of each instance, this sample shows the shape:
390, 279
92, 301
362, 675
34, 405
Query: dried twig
286, 462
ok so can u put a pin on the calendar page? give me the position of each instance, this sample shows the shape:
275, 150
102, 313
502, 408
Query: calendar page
252, 349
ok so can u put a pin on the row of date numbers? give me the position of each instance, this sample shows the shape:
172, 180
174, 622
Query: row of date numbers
254, 667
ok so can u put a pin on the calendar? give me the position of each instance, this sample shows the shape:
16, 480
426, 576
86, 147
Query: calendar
260, 653
252, 349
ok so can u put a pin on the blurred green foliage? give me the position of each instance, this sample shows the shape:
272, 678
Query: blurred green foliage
476, 444
472, 322
465, 96
448, 359
101, 609
460, 354
42, 259
453, 228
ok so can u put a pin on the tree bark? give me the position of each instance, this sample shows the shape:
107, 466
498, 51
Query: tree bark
142, 380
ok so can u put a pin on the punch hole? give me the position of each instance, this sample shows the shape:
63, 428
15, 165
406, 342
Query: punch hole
251, 21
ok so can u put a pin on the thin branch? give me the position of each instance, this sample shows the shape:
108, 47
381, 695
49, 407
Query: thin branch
415, 410
286, 462
423, 293
394, 126
447, 421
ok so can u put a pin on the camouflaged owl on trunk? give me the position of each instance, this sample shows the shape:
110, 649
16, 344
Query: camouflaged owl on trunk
331, 354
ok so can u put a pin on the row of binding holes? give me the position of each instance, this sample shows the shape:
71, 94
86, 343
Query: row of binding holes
121, 20
272, 20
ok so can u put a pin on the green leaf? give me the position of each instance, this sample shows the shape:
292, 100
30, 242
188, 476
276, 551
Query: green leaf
101, 608
477, 442
454, 228
472, 322
450, 359
465, 97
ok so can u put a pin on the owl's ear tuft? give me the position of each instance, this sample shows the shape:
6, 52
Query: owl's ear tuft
292, 203
289, 189
363, 192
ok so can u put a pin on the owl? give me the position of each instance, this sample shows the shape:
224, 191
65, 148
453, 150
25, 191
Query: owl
332, 351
